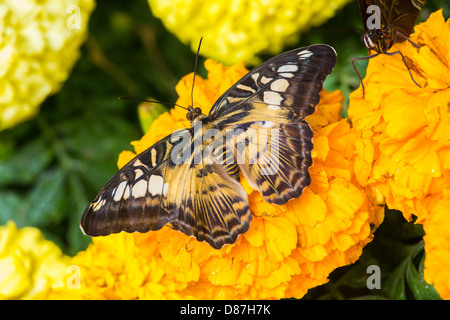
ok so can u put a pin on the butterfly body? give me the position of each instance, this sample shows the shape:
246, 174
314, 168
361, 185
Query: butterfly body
388, 21
190, 179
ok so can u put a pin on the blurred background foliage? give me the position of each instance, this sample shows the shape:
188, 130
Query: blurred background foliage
52, 166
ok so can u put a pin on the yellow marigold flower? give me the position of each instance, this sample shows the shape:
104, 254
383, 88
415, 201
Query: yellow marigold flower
287, 250
31, 267
39, 44
236, 31
403, 143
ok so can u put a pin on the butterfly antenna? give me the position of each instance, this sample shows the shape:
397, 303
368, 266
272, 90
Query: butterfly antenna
152, 101
195, 71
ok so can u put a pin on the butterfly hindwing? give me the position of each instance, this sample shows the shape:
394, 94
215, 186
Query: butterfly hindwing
276, 158
213, 206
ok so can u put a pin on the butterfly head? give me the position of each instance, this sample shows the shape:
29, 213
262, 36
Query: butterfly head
379, 40
193, 114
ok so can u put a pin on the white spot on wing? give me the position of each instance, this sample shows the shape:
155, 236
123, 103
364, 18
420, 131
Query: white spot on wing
287, 74
126, 194
255, 76
119, 191
279, 85
288, 68
272, 97
98, 204
305, 54
139, 189
155, 185
138, 173
264, 79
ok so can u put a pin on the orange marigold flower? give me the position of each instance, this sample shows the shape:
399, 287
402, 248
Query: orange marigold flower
403, 145
437, 247
287, 250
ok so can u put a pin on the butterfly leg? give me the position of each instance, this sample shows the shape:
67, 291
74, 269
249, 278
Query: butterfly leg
356, 70
404, 37
404, 61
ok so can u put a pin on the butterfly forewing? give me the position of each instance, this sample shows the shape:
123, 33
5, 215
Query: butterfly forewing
135, 198
269, 120
307, 67
263, 134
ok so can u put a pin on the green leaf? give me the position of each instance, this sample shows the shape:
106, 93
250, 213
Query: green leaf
26, 163
76, 239
394, 286
420, 289
414, 281
46, 199
357, 276
11, 204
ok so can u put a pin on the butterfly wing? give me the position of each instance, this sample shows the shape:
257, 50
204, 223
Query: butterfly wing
135, 198
367, 14
212, 206
307, 66
263, 115
403, 14
168, 183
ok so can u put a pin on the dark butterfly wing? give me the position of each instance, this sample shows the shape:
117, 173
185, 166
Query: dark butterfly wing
367, 12
403, 14
167, 184
265, 113
132, 199
306, 68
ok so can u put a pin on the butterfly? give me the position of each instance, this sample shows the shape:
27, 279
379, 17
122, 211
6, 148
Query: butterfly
189, 180
387, 22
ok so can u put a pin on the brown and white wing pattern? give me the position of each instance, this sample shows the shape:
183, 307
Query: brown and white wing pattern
166, 184
272, 141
